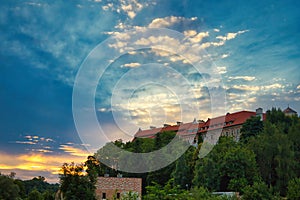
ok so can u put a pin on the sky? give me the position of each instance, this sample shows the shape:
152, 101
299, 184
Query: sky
207, 58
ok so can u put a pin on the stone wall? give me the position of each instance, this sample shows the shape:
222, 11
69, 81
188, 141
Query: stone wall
107, 187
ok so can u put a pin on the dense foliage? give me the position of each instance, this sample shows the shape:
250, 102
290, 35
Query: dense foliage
35, 189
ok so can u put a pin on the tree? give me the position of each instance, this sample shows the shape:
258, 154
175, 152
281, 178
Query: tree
47, 195
21, 185
278, 118
294, 138
35, 195
274, 156
259, 190
183, 173
8, 189
228, 166
251, 128
294, 189
93, 169
75, 184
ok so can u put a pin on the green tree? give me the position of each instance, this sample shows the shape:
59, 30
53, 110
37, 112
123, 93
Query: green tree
21, 185
35, 195
294, 138
8, 189
259, 190
47, 195
93, 169
294, 189
278, 118
251, 128
183, 173
228, 166
74, 184
275, 157
201, 193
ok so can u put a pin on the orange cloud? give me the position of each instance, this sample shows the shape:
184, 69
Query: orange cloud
39, 162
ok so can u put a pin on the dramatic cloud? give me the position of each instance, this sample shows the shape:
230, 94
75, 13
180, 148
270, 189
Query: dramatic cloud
74, 151
37, 162
256, 60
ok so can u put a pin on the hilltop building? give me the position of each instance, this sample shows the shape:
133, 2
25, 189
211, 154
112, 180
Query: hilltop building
290, 112
226, 125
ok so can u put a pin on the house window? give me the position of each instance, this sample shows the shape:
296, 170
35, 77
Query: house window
103, 195
118, 195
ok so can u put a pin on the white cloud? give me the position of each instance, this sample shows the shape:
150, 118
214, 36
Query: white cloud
198, 38
273, 86
230, 36
129, 7
224, 55
190, 33
246, 78
108, 6
247, 87
221, 70
169, 21
34, 4
131, 65
262, 88
131, 14
102, 109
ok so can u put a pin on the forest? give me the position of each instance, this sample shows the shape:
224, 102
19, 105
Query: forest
264, 164
34, 189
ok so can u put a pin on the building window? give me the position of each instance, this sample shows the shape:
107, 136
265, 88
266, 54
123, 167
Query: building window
118, 195
103, 195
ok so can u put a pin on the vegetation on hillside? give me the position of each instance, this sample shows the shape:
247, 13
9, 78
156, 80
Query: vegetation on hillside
34, 189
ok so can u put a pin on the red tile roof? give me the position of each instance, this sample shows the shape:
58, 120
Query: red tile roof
188, 129
147, 133
228, 120
170, 128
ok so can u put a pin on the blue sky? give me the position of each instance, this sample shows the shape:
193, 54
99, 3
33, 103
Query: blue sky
253, 45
